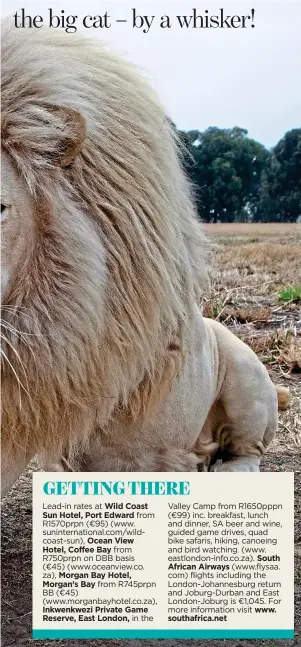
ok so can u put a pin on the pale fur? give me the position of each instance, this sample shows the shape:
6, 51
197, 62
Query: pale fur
106, 264
117, 258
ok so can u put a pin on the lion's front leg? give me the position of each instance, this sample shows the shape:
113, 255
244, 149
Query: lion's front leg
250, 424
244, 419
244, 439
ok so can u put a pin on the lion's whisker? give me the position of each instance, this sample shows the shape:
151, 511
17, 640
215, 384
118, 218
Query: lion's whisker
3, 354
19, 335
20, 311
18, 357
9, 326
15, 309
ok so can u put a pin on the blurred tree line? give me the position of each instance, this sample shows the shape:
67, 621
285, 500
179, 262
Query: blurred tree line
237, 179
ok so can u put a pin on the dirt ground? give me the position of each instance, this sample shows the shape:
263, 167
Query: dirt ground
256, 271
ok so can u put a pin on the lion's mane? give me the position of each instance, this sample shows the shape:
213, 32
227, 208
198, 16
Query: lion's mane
118, 258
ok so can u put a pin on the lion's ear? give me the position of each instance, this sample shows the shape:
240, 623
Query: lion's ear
72, 135
75, 133
46, 134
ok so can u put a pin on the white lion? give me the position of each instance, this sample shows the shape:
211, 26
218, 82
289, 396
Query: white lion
106, 357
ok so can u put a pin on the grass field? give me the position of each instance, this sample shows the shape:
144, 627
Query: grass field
256, 277
251, 230
256, 291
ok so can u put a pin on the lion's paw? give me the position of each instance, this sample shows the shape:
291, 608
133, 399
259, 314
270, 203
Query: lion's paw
237, 465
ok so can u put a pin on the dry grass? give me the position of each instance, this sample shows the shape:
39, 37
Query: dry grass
262, 255
248, 281
260, 229
253, 265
